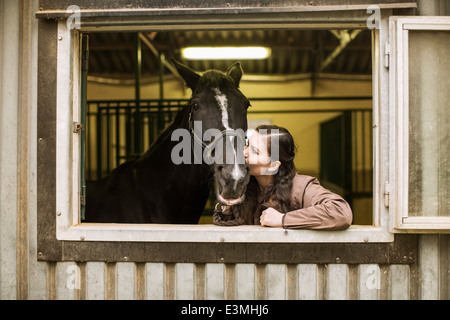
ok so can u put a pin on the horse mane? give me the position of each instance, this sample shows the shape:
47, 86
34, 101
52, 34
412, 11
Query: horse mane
216, 78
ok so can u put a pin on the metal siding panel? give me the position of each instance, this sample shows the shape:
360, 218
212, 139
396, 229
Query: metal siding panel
215, 287
140, 281
292, 282
445, 263
384, 293
337, 282
261, 282
154, 274
245, 281
399, 280
126, 281
51, 281
67, 281
429, 267
200, 281
369, 281
37, 279
8, 146
110, 281
95, 280
308, 281
184, 273
272, 281
26, 22
353, 282
230, 281
276, 281
169, 281
37, 269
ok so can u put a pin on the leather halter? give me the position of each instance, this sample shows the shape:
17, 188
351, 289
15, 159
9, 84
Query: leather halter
209, 147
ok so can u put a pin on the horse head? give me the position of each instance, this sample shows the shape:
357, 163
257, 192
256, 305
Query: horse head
218, 122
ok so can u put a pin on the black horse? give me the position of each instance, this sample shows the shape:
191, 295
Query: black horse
156, 187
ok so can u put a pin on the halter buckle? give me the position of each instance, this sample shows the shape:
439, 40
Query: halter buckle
222, 207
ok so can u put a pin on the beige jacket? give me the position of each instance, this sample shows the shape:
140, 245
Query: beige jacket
314, 207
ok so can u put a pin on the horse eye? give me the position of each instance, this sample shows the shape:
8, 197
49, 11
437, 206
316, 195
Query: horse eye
194, 105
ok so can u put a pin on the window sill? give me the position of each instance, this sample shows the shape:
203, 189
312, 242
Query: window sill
208, 233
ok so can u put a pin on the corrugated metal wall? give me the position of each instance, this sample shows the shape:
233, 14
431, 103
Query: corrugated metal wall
22, 276
187, 281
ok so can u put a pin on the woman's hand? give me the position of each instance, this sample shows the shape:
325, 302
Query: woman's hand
271, 218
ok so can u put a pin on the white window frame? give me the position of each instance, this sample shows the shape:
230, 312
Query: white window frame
398, 185
69, 228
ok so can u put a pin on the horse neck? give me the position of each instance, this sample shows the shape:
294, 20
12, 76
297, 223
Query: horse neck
163, 145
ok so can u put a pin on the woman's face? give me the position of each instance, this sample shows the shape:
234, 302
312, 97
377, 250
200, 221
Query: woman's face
256, 154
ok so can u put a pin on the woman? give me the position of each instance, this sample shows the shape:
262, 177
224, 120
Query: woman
277, 196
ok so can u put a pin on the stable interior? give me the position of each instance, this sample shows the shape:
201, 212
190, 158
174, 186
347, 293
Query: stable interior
316, 83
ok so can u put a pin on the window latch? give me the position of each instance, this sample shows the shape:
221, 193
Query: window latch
77, 127
386, 195
387, 52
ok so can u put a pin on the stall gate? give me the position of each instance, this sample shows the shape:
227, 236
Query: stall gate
120, 130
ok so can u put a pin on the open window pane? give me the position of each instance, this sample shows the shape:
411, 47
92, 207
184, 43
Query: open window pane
429, 116
419, 180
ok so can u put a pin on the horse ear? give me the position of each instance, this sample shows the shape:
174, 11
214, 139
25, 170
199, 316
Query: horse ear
189, 75
235, 72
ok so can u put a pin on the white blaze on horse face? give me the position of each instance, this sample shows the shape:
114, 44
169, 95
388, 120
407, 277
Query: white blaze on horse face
237, 174
223, 104
222, 100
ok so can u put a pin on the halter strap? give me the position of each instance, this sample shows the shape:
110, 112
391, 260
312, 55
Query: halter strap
208, 147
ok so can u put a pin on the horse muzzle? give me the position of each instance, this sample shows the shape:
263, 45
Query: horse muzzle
230, 188
230, 202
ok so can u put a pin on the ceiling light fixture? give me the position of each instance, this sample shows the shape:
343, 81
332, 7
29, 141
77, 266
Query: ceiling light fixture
225, 53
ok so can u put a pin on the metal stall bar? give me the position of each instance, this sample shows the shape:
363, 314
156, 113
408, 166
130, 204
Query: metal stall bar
108, 138
137, 115
129, 129
161, 123
348, 144
98, 140
117, 130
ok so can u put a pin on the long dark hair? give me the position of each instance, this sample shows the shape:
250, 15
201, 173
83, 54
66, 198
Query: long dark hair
276, 195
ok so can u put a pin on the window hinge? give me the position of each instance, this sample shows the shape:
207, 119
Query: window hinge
387, 52
77, 127
386, 195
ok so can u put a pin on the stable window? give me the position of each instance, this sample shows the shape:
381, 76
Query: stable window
69, 125
133, 94
419, 186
